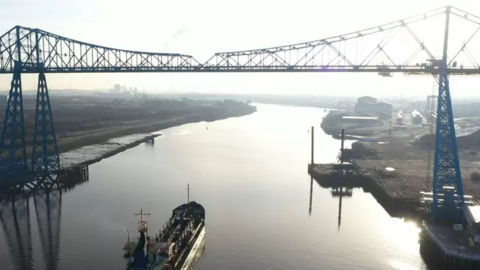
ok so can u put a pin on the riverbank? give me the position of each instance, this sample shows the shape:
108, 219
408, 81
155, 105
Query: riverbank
94, 153
92, 147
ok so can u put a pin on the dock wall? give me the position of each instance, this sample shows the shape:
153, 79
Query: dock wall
436, 258
395, 206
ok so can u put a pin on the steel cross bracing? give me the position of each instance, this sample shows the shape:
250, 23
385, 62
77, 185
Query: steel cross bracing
409, 53
45, 152
41, 51
410, 45
13, 160
448, 200
448, 194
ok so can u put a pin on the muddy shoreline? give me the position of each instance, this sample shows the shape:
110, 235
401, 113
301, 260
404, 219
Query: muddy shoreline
81, 152
119, 150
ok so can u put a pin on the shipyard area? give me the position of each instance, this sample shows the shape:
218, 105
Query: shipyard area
392, 158
396, 145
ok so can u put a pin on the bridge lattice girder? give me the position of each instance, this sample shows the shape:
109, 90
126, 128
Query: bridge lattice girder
399, 46
41, 50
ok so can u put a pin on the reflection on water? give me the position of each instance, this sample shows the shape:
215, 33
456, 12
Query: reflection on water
15, 218
399, 265
250, 175
340, 192
180, 133
311, 194
150, 143
48, 208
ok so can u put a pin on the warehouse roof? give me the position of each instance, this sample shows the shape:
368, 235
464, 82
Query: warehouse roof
359, 118
415, 113
383, 102
363, 102
367, 97
466, 131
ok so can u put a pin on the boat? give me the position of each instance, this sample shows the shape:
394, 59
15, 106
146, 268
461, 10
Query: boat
177, 246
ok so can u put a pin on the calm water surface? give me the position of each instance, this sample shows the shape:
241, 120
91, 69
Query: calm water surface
250, 175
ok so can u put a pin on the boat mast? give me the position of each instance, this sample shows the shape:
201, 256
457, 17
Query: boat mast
143, 223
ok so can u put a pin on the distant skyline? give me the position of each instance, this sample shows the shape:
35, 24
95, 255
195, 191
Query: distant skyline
201, 28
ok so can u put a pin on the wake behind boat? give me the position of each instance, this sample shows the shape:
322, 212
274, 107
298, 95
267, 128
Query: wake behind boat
177, 245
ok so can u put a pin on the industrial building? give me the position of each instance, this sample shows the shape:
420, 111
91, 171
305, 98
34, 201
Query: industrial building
335, 119
367, 99
472, 214
367, 104
416, 118
400, 118
116, 88
361, 120
467, 138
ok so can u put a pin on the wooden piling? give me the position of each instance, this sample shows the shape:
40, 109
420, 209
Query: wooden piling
342, 146
313, 146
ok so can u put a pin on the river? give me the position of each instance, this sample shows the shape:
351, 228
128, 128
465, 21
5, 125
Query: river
250, 174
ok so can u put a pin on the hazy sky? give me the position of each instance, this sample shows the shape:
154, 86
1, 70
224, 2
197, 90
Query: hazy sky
201, 28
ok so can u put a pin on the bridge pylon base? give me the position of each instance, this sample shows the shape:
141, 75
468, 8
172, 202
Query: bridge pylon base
45, 157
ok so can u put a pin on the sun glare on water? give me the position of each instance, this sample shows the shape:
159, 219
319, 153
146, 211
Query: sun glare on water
402, 265
405, 235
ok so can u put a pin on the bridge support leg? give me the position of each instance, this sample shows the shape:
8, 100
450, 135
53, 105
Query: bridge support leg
13, 158
45, 158
447, 178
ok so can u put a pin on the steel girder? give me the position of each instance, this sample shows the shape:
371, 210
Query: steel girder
45, 152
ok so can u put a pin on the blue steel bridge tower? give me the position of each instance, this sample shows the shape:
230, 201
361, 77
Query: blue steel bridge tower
24, 55
448, 200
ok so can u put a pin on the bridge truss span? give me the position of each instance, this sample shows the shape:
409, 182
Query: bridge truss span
41, 51
412, 45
